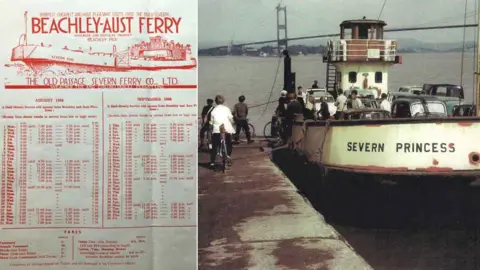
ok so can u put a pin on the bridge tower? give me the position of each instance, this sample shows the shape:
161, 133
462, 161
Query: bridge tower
361, 58
282, 42
282, 46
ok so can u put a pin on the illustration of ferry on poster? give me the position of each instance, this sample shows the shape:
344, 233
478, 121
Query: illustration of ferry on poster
42, 65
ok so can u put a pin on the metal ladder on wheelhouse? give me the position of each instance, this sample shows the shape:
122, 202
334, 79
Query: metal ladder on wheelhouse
331, 79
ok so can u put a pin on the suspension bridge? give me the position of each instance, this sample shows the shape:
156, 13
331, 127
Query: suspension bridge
283, 42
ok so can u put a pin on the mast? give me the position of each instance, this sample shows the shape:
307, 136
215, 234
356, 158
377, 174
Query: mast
26, 22
477, 72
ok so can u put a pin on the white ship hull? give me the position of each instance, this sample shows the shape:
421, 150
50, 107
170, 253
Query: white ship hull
392, 146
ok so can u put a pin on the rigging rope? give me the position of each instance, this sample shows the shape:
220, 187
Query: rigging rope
381, 10
273, 87
463, 45
274, 79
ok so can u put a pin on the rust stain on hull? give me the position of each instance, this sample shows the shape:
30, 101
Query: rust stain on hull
370, 168
432, 170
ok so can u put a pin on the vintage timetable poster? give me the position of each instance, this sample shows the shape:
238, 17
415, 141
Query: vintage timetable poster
99, 134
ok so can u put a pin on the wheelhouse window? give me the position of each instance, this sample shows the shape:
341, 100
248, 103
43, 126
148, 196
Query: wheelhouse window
378, 77
352, 77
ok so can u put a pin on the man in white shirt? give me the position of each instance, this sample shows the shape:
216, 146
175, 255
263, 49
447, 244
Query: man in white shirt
341, 104
221, 115
301, 94
356, 102
385, 104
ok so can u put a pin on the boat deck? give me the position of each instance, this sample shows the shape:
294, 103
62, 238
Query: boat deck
252, 217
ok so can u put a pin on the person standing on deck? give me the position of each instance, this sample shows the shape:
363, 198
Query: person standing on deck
315, 84
310, 107
324, 109
205, 120
341, 104
294, 108
356, 102
282, 104
240, 113
301, 96
221, 115
385, 104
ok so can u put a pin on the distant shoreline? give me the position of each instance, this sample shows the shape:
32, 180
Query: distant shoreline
399, 52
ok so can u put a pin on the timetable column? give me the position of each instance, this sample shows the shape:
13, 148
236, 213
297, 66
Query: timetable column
128, 171
114, 167
22, 180
8, 175
95, 173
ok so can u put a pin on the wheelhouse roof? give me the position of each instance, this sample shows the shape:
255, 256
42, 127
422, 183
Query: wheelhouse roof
350, 23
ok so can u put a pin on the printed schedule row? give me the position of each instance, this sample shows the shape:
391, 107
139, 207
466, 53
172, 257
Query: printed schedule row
98, 165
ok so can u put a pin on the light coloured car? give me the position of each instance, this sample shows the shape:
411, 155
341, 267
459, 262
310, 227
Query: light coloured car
322, 92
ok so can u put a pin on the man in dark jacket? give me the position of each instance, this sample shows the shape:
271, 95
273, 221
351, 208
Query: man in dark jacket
205, 120
282, 104
324, 109
294, 108
240, 113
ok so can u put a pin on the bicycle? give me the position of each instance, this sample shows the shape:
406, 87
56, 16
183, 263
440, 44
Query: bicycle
274, 133
208, 138
242, 136
222, 151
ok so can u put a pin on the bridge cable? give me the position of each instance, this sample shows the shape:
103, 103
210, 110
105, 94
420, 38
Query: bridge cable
475, 46
463, 45
447, 19
235, 17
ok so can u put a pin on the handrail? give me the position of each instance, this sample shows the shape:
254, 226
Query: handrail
342, 50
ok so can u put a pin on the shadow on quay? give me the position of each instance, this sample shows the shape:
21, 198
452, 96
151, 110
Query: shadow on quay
420, 225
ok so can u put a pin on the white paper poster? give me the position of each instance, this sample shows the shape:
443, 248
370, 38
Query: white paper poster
99, 135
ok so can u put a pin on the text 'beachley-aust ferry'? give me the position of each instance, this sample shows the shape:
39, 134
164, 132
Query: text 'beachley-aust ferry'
417, 137
156, 54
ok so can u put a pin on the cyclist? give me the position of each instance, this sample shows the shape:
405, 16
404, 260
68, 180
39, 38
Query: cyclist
207, 109
221, 115
240, 113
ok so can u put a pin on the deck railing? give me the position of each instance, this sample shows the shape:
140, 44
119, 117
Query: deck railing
361, 50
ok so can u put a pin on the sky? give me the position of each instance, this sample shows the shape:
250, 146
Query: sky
251, 20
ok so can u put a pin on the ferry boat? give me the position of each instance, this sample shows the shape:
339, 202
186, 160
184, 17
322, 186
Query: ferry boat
426, 145
155, 54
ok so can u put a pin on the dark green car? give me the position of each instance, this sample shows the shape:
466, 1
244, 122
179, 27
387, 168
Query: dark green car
419, 107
